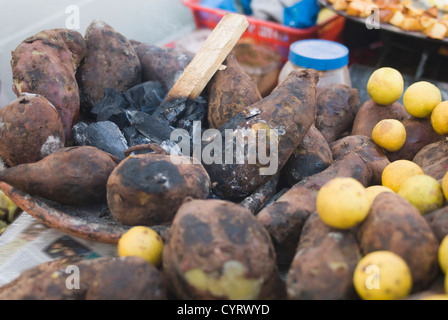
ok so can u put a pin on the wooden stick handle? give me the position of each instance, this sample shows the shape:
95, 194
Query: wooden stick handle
210, 57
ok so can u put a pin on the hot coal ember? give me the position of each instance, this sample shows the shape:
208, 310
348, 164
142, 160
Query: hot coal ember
113, 107
180, 112
140, 116
146, 96
134, 137
105, 135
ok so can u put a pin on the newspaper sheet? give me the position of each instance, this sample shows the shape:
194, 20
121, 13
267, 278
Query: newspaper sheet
27, 243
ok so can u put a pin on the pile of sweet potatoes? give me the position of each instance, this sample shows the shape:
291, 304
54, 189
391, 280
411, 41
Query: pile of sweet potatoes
234, 229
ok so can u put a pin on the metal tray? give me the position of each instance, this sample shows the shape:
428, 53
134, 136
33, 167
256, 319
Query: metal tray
94, 223
387, 26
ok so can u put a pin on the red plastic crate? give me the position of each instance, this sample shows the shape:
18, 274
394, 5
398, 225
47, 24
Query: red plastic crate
269, 33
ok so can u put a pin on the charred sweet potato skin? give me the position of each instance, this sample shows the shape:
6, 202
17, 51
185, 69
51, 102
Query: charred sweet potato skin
212, 238
371, 153
438, 221
433, 159
323, 266
114, 282
370, 114
105, 278
394, 224
30, 130
72, 175
45, 64
110, 62
230, 91
148, 189
290, 109
337, 106
313, 155
419, 134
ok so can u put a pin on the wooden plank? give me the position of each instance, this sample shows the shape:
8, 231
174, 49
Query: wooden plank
210, 57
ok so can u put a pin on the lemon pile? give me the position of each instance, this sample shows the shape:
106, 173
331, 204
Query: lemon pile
421, 99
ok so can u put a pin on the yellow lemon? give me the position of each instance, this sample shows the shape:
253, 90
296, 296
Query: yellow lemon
445, 185
420, 98
342, 202
443, 254
382, 275
142, 242
385, 86
446, 283
374, 190
439, 118
324, 14
396, 172
423, 192
389, 134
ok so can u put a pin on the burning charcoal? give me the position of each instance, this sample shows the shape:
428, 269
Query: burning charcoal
146, 96
261, 196
111, 98
115, 114
200, 104
134, 137
151, 128
79, 133
170, 111
197, 114
173, 111
171, 147
106, 136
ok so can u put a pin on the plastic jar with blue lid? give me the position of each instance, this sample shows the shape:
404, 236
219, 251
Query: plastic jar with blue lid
329, 58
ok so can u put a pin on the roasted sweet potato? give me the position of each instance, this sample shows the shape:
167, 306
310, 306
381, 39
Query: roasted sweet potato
419, 133
30, 129
364, 146
45, 64
72, 175
313, 155
162, 64
370, 113
230, 91
285, 217
105, 278
110, 62
438, 221
337, 106
394, 224
323, 266
433, 159
148, 189
216, 249
114, 283
290, 109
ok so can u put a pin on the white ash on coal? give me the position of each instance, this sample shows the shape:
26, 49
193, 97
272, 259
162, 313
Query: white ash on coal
105, 135
146, 96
